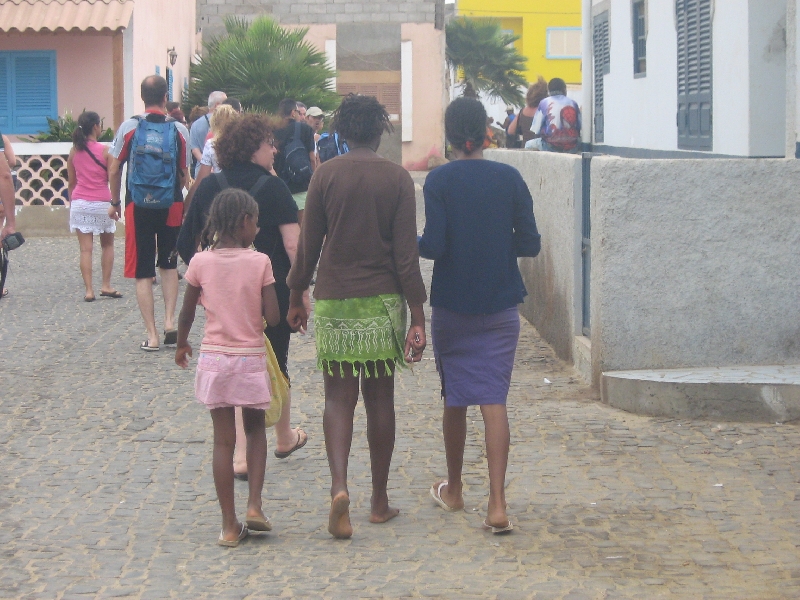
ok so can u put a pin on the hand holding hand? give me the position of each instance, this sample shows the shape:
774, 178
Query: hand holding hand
415, 343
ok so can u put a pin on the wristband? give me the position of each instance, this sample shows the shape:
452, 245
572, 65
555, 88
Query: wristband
115, 203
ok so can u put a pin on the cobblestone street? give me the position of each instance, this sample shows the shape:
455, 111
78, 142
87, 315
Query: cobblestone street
107, 488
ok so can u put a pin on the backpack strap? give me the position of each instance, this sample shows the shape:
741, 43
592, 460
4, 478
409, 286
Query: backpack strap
297, 126
260, 183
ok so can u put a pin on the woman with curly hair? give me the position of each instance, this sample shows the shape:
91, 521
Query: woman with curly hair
478, 220
245, 151
363, 207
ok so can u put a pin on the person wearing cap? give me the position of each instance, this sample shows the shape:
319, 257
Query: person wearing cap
509, 119
314, 118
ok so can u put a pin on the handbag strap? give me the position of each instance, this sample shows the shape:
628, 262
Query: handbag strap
95, 159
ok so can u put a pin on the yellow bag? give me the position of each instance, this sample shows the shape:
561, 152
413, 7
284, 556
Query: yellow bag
279, 386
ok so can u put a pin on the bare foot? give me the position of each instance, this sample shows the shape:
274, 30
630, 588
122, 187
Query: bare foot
381, 511
384, 515
339, 519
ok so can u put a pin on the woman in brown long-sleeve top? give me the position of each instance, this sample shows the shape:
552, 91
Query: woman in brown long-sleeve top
363, 207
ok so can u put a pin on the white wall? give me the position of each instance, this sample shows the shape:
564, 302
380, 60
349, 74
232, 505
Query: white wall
640, 113
748, 78
731, 93
767, 77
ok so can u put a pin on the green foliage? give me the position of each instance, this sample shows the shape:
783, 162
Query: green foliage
261, 63
61, 128
485, 59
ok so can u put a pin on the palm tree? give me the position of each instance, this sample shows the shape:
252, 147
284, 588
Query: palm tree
261, 63
485, 59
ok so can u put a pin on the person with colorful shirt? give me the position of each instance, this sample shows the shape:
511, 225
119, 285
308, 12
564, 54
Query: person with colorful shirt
557, 121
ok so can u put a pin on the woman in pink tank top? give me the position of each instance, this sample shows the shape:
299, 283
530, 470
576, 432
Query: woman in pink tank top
90, 199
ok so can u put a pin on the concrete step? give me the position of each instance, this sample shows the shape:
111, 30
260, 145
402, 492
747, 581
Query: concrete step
754, 394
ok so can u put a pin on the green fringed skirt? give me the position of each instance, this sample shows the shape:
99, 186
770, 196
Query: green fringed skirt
360, 331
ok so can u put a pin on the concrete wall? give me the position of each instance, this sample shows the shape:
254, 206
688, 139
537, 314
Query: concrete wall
83, 69
748, 78
211, 13
157, 26
694, 263
553, 279
428, 93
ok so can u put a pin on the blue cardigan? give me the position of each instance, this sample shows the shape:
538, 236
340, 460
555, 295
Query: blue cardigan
478, 220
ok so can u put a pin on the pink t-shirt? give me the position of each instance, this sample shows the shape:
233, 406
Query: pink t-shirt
231, 280
92, 179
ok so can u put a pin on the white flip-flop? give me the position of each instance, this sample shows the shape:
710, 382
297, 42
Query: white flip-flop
436, 494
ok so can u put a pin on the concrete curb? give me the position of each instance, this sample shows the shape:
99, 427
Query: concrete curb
743, 394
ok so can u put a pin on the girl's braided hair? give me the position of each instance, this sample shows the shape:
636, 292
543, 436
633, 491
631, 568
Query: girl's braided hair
465, 124
361, 119
86, 123
226, 215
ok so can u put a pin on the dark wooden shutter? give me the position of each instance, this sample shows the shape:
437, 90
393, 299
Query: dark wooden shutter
602, 66
695, 121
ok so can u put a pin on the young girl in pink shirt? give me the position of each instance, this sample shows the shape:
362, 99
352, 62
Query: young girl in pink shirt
235, 286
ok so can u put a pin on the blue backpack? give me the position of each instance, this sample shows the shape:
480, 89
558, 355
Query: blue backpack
330, 146
152, 166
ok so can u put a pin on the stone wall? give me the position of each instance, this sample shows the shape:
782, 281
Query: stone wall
553, 279
211, 13
694, 263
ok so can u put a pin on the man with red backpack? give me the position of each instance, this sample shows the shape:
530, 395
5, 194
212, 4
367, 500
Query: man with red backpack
156, 150
557, 121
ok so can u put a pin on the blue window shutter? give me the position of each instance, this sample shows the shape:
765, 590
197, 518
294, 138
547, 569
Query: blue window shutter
28, 94
5, 87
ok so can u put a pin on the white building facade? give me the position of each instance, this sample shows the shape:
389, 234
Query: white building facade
674, 76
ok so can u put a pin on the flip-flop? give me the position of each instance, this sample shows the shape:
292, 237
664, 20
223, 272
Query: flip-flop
145, 345
88, 298
300, 443
240, 476
436, 494
4, 293
259, 524
114, 294
233, 543
170, 337
508, 528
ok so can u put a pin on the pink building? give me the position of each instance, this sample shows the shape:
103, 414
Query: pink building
70, 55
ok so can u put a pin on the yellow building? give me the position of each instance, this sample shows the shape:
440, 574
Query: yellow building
549, 33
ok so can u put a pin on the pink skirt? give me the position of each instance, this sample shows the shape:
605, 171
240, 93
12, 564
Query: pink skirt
225, 380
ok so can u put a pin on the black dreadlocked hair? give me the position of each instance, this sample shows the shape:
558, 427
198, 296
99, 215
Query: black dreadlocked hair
465, 124
226, 215
361, 119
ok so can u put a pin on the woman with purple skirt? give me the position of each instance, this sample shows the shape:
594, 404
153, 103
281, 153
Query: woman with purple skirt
479, 219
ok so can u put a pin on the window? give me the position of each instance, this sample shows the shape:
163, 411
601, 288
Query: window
602, 66
564, 42
639, 38
693, 19
27, 91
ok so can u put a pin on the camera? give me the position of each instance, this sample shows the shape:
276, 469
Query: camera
13, 241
